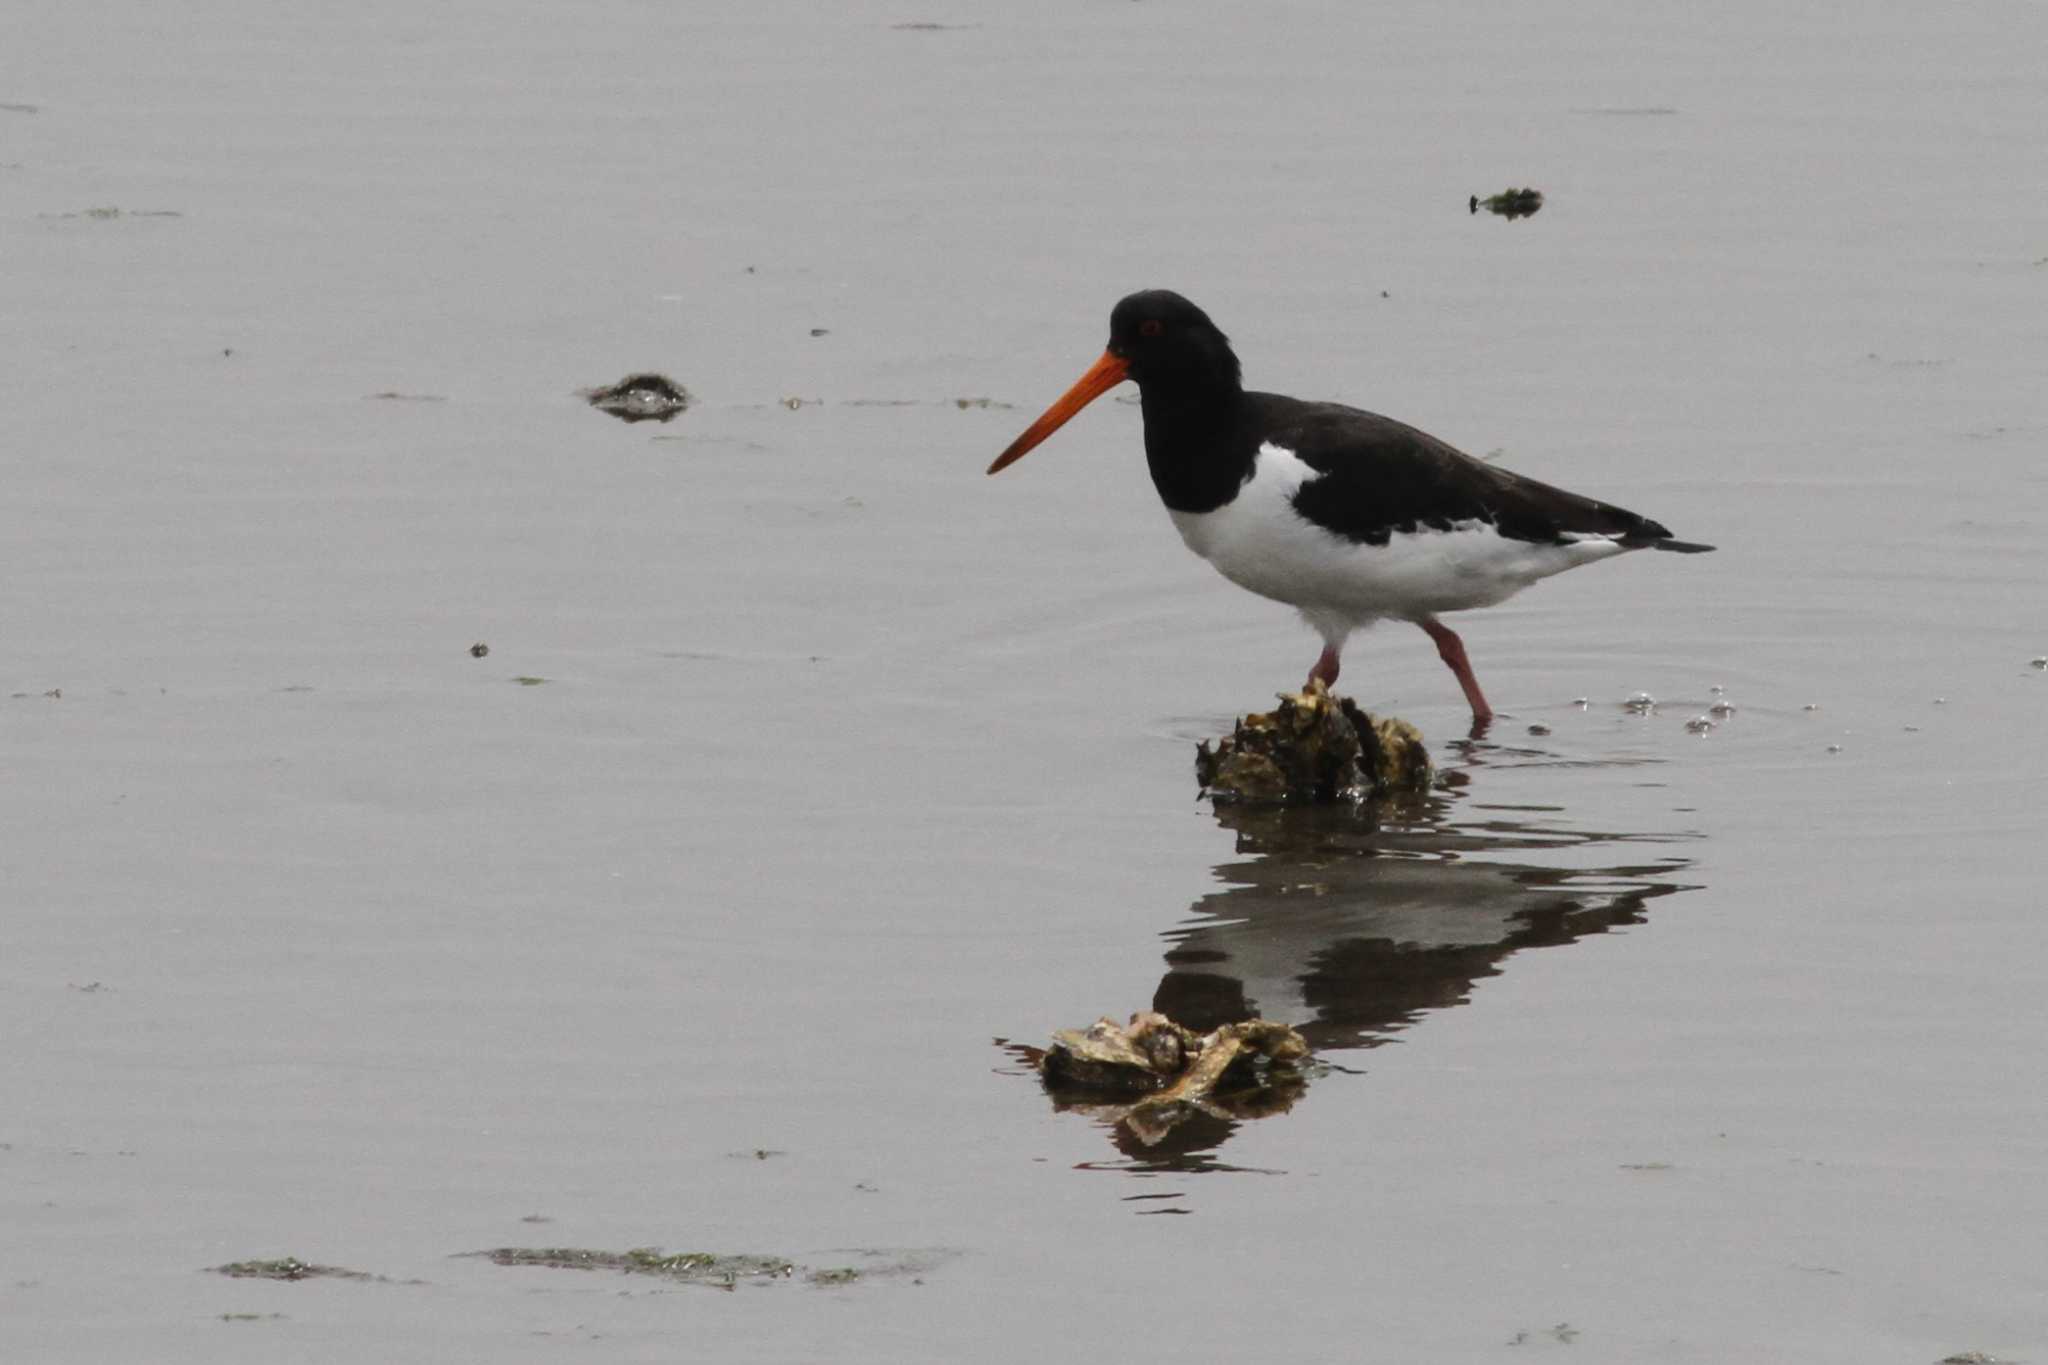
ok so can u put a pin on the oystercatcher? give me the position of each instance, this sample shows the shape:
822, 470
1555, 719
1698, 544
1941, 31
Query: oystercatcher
1347, 516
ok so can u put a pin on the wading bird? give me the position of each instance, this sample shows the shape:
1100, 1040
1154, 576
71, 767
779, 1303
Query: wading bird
1347, 516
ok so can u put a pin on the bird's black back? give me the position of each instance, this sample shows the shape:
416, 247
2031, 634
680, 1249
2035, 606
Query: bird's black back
1379, 476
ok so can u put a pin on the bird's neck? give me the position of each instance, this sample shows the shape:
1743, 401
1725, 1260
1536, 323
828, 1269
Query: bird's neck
1194, 445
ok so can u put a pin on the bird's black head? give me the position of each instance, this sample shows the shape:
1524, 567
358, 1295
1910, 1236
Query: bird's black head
1181, 362
1170, 344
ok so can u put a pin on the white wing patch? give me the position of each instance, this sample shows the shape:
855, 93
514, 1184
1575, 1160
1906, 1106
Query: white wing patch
1260, 542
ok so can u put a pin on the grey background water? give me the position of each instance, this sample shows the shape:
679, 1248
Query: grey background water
324, 938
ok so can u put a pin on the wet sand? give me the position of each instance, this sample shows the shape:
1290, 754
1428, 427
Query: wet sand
807, 765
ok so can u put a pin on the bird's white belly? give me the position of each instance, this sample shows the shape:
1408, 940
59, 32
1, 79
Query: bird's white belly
1260, 542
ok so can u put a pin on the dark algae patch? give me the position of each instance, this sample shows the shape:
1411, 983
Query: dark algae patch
288, 1268
108, 213
1510, 204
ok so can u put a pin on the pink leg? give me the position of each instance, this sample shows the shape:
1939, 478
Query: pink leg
1451, 650
1325, 670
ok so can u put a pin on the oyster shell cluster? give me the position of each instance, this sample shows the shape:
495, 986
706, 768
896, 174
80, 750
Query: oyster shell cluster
1313, 748
1149, 1075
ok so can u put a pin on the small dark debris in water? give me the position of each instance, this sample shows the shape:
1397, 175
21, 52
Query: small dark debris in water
479, 650
844, 1274
759, 1153
793, 403
89, 988
1972, 1358
252, 1317
528, 680
288, 1268
647, 397
11, 108
965, 403
1642, 703
1510, 204
1646, 1166
1629, 110
2039, 661
821, 331
394, 396
1700, 725
1539, 729
1563, 1333
927, 26
536, 1218
690, 1267
1313, 748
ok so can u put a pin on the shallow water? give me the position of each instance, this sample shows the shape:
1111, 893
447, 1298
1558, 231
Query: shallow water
325, 938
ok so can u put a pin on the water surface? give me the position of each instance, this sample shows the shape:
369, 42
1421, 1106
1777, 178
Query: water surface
326, 938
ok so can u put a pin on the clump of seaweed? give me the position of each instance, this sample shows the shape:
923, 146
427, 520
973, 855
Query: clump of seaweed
1313, 749
1510, 204
690, 1267
288, 1268
645, 397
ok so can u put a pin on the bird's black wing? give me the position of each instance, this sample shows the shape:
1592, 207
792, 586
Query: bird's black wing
1376, 476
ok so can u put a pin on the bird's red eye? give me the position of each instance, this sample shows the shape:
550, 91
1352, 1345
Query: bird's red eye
1151, 327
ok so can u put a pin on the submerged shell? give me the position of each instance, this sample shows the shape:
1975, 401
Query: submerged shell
640, 398
1153, 1056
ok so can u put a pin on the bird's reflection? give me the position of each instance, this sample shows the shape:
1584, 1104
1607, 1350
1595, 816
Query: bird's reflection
1353, 924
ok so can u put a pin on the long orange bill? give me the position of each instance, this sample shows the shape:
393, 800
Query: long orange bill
1104, 375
